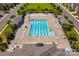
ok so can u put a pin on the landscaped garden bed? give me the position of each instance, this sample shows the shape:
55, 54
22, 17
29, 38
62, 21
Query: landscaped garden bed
72, 35
6, 36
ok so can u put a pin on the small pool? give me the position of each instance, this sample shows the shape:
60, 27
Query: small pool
40, 28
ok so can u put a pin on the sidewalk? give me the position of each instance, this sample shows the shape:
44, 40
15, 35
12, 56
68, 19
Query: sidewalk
3, 29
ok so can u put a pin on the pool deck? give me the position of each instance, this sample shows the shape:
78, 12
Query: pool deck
53, 25
22, 34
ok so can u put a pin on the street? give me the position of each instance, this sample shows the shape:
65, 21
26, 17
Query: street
70, 16
6, 17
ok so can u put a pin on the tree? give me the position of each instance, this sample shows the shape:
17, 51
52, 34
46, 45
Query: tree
67, 27
18, 11
54, 5
13, 16
72, 37
13, 27
58, 8
22, 12
46, 9
8, 21
15, 4
66, 17
76, 45
21, 8
9, 30
0, 40
5, 8
3, 47
73, 44
38, 7
16, 27
70, 22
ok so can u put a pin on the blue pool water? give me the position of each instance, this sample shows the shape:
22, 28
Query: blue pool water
40, 28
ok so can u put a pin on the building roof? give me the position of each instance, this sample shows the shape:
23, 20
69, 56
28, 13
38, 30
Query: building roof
33, 50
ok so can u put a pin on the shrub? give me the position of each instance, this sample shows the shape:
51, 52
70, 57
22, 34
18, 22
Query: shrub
75, 45
67, 27
21, 8
8, 21
13, 16
66, 17
72, 36
3, 47
0, 39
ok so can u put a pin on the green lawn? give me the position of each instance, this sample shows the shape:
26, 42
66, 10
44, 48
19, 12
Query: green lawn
3, 35
40, 8
73, 32
75, 44
8, 31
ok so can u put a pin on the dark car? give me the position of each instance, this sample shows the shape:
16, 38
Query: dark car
40, 44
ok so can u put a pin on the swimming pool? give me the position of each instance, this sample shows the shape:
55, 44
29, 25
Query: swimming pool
40, 28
